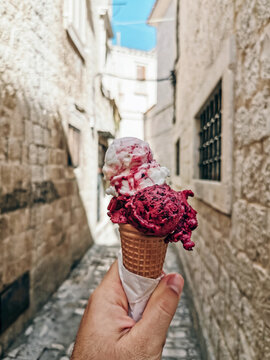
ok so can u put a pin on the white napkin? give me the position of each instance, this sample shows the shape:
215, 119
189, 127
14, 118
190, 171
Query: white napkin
137, 288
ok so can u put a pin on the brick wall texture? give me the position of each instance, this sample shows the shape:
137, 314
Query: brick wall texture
229, 270
43, 224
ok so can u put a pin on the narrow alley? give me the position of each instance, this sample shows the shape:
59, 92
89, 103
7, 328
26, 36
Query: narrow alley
192, 80
51, 334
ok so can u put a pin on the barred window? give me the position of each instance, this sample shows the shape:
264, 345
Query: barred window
210, 117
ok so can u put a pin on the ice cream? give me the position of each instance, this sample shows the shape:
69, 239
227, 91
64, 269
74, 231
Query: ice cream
157, 210
129, 166
149, 213
141, 197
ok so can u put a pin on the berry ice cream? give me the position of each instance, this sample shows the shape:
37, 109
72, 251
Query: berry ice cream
130, 167
157, 210
141, 197
149, 213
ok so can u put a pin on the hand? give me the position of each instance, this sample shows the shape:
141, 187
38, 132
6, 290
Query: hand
107, 332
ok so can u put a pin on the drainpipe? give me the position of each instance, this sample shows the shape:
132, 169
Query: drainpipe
173, 73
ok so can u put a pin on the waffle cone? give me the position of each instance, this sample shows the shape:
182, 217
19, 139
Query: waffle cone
142, 254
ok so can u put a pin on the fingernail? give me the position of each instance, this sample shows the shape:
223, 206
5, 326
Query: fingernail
175, 282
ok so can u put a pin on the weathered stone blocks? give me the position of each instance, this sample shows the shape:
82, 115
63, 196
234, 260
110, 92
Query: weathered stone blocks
259, 115
253, 181
265, 55
245, 350
267, 343
224, 353
262, 12
232, 250
239, 224
234, 302
38, 192
256, 232
4, 227
231, 335
246, 24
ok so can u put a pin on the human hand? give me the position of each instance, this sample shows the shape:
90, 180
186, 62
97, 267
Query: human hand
107, 332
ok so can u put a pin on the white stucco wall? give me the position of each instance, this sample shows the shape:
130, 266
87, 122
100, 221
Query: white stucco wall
132, 96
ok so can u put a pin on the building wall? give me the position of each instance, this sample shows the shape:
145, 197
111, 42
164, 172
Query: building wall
133, 97
159, 119
46, 206
229, 270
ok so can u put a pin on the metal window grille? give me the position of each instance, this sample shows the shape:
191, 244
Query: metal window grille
210, 118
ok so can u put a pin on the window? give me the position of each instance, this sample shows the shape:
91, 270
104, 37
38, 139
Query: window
74, 145
141, 72
75, 15
177, 157
210, 137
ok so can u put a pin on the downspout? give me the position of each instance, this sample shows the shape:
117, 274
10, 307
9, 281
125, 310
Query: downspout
176, 59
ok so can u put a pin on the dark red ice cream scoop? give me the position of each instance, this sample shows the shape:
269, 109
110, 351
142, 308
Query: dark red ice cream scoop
116, 209
187, 223
157, 210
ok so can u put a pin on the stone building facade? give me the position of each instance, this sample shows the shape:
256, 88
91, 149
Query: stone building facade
55, 121
223, 74
131, 79
158, 121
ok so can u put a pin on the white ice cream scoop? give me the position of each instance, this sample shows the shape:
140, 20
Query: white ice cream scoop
130, 167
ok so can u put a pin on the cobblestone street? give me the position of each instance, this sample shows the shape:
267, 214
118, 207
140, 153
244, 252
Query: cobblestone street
51, 335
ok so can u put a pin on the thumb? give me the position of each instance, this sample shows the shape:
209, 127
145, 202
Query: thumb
161, 308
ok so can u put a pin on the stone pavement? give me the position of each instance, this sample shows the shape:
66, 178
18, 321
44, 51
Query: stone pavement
52, 332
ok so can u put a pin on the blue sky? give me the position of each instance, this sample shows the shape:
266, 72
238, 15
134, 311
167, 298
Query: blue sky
137, 36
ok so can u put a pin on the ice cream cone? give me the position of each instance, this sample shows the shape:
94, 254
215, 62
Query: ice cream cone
142, 254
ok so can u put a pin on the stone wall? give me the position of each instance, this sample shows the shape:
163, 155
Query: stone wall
229, 270
46, 206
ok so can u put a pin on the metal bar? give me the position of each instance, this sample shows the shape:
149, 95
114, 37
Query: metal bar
210, 137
